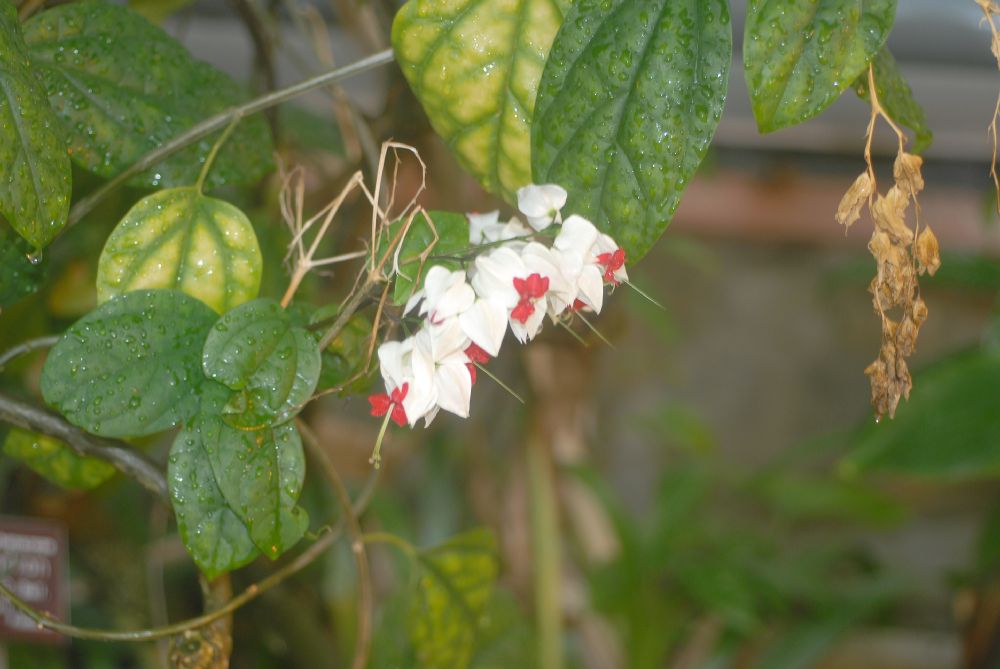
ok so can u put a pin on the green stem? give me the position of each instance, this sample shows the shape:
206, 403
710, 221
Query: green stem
213, 123
387, 538
210, 158
545, 553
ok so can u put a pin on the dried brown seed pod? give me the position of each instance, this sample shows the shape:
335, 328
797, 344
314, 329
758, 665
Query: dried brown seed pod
927, 252
849, 209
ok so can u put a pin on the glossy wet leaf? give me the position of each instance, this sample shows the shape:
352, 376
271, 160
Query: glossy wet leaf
178, 238
896, 98
56, 461
475, 66
35, 178
259, 474
212, 532
19, 276
454, 588
132, 366
122, 87
800, 55
273, 365
451, 231
631, 96
947, 429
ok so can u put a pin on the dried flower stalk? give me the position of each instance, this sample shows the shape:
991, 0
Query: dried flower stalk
901, 255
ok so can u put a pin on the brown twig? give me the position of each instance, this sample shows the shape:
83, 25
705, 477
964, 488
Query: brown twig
120, 454
362, 643
27, 347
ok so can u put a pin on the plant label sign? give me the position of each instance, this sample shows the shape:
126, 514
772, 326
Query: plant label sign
33, 561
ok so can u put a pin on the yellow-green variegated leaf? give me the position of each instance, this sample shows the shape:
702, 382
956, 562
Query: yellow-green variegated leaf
178, 238
56, 461
475, 67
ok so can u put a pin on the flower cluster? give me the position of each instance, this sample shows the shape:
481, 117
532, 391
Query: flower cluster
514, 282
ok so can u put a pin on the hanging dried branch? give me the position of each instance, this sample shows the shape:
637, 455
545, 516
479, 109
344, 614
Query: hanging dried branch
901, 255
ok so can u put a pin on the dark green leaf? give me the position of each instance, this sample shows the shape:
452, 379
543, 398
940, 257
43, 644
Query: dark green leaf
19, 276
800, 55
422, 247
179, 238
988, 544
255, 349
454, 588
896, 98
948, 429
344, 358
56, 461
260, 475
815, 499
475, 67
132, 366
34, 170
212, 532
122, 87
158, 10
631, 96
308, 131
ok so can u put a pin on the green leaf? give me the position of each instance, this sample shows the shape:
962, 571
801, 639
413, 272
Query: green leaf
123, 87
505, 637
448, 236
345, 357
307, 131
158, 10
255, 349
19, 276
35, 180
988, 544
800, 55
56, 461
132, 366
896, 98
629, 101
213, 534
947, 429
454, 589
815, 499
179, 238
260, 475
475, 67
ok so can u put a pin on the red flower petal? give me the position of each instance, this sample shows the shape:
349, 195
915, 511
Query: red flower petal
399, 415
472, 371
399, 394
523, 311
476, 354
380, 404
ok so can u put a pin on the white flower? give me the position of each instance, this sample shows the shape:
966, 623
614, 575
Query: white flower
487, 228
575, 247
485, 323
493, 278
541, 260
541, 204
445, 294
445, 345
408, 373
520, 283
